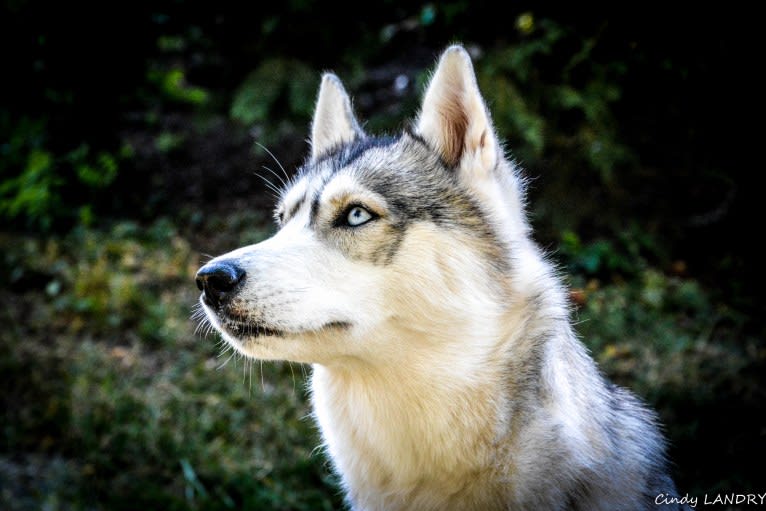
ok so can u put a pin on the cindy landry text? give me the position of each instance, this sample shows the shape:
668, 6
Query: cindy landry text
750, 499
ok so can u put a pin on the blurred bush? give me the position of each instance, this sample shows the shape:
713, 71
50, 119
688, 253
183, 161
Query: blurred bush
34, 179
276, 99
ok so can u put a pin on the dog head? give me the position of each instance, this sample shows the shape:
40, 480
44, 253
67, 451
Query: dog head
379, 237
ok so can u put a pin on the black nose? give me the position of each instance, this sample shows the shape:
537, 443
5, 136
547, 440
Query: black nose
218, 280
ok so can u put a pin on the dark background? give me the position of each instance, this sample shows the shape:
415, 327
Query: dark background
127, 154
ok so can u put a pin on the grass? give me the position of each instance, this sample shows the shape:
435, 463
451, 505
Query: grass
111, 401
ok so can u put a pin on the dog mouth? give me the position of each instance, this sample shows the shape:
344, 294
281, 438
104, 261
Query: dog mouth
238, 326
244, 329
255, 330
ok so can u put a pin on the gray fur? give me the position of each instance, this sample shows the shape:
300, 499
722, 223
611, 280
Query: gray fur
417, 185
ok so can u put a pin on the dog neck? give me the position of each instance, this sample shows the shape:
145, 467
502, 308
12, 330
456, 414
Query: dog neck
435, 412
418, 417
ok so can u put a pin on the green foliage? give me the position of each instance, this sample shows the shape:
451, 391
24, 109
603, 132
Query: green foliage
545, 113
174, 86
658, 333
655, 312
626, 254
32, 193
275, 98
640, 308
28, 186
39, 187
167, 142
99, 172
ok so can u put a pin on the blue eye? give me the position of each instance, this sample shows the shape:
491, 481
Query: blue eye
358, 216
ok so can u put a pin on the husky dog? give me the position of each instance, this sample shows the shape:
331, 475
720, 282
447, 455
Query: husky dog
446, 374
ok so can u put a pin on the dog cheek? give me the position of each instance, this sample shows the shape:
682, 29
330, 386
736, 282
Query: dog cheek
380, 247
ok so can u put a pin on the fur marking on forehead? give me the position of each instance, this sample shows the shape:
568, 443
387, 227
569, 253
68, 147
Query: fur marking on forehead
345, 155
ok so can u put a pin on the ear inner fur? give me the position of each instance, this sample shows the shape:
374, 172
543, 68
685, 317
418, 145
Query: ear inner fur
453, 118
455, 122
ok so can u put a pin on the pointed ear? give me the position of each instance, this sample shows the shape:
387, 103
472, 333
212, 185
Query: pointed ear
334, 122
453, 118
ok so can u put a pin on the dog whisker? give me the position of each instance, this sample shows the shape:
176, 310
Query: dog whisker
263, 385
292, 373
226, 361
287, 177
281, 181
275, 192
